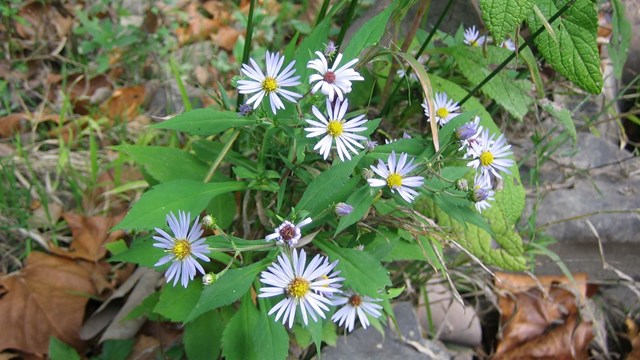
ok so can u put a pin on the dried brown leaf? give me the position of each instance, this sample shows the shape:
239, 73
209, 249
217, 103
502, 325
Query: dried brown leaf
568, 341
11, 124
90, 234
46, 298
124, 103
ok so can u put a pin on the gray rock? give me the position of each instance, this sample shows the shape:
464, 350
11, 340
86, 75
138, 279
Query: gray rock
600, 184
370, 344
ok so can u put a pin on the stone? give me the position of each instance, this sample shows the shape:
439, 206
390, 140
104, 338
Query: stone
370, 344
452, 321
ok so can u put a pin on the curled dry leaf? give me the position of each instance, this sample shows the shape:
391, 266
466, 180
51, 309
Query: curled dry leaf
633, 333
46, 298
568, 341
542, 311
124, 103
204, 19
11, 124
40, 18
90, 234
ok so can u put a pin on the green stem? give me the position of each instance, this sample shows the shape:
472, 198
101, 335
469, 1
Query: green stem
323, 11
221, 155
513, 55
347, 23
183, 92
247, 44
426, 42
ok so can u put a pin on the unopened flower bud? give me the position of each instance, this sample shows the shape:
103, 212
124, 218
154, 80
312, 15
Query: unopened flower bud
208, 279
245, 109
330, 48
462, 185
343, 209
367, 173
479, 194
209, 222
370, 144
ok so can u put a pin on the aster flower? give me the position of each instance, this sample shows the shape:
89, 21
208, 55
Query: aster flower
445, 108
183, 248
472, 37
288, 233
394, 175
355, 304
272, 84
300, 284
482, 193
335, 127
508, 44
468, 134
490, 156
245, 109
332, 81
333, 276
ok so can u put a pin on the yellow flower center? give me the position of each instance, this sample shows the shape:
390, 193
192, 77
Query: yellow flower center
394, 180
442, 112
335, 128
298, 288
355, 300
486, 158
269, 85
474, 43
181, 249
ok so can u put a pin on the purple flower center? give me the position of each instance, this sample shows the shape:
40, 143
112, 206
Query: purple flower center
287, 232
329, 77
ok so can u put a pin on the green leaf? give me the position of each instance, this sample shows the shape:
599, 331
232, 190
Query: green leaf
368, 35
361, 201
191, 196
620, 38
239, 335
321, 192
116, 247
310, 44
203, 335
141, 252
145, 309
563, 116
116, 349
58, 350
361, 270
503, 16
502, 216
166, 164
223, 208
227, 289
574, 51
272, 339
511, 94
205, 122
176, 302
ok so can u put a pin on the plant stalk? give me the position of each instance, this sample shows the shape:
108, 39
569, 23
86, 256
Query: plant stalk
247, 44
221, 155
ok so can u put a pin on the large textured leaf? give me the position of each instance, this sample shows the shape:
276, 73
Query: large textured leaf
228, 288
573, 51
620, 38
368, 35
205, 122
504, 212
238, 337
361, 270
165, 163
503, 16
202, 336
513, 95
187, 195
